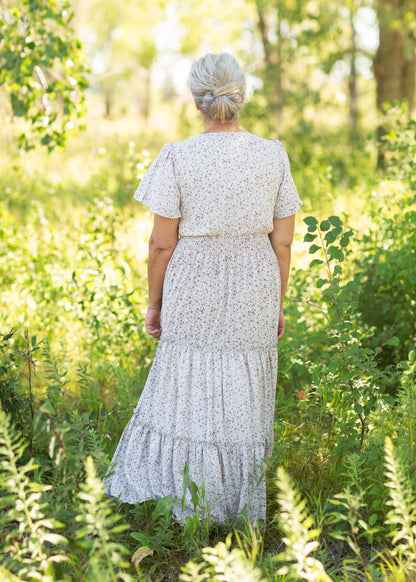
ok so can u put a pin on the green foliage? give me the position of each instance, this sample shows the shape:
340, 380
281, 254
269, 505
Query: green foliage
97, 525
84, 283
347, 378
300, 539
42, 69
221, 563
13, 398
402, 515
388, 251
73, 273
42, 539
32, 523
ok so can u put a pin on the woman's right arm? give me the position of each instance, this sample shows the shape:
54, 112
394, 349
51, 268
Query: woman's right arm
281, 239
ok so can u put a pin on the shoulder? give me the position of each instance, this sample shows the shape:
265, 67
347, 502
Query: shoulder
273, 145
280, 146
185, 144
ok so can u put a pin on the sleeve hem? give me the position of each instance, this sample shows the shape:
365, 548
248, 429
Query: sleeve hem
160, 212
288, 212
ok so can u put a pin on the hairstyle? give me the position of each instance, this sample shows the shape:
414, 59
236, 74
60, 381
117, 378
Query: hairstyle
218, 85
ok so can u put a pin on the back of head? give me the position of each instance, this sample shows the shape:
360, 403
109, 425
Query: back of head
218, 85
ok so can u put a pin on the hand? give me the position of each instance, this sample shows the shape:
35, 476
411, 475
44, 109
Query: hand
281, 328
152, 322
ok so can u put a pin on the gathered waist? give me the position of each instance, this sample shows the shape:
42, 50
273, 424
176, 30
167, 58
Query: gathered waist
247, 241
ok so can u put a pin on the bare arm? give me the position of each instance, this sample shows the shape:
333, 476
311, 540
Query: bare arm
281, 238
162, 243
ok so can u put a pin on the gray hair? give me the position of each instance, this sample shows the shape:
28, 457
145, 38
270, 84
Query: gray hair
218, 85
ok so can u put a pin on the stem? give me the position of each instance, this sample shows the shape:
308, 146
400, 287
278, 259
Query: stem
359, 552
331, 279
28, 353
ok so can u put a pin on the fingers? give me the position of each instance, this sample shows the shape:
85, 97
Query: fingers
152, 322
154, 331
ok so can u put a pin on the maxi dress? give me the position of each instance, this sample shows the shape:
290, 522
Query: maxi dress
209, 398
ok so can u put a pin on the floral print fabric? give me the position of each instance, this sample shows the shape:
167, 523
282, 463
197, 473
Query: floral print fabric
209, 398
221, 184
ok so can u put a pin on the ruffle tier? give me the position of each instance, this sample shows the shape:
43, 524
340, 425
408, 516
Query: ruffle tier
202, 408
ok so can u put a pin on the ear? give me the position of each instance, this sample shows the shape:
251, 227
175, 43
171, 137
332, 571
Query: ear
197, 106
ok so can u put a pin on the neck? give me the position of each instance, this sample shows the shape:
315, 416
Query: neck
217, 126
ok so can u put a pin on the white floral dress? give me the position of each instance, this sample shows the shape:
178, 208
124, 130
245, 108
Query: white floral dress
209, 398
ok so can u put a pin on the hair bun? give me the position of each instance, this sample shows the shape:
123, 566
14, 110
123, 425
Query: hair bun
218, 85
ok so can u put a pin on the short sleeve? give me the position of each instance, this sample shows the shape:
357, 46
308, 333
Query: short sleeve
288, 201
158, 188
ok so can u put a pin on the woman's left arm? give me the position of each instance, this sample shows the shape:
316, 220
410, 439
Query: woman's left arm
162, 242
281, 238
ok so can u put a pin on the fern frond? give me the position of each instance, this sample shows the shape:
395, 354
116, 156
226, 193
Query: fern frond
300, 538
26, 552
98, 524
402, 514
222, 564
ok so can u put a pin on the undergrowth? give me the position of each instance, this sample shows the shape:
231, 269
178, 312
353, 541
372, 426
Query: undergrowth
74, 357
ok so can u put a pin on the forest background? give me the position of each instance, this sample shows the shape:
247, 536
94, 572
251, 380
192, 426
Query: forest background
89, 92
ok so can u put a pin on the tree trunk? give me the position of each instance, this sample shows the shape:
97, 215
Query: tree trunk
352, 82
272, 56
395, 61
108, 101
145, 98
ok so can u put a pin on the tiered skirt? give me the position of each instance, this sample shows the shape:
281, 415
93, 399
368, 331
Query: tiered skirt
208, 402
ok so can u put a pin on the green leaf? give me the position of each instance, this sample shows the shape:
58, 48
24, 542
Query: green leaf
344, 241
335, 253
321, 282
19, 107
325, 225
140, 537
313, 249
316, 262
358, 408
310, 220
393, 341
309, 237
333, 234
335, 220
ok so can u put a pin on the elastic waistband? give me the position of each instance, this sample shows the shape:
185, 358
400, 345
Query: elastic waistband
226, 242
255, 236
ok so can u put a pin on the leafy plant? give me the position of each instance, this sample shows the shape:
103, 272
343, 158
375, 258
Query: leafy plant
28, 516
42, 69
221, 563
299, 537
402, 515
348, 379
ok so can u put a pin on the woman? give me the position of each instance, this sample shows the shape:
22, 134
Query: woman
215, 304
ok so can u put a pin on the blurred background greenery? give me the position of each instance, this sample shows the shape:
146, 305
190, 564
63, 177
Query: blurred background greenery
89, 92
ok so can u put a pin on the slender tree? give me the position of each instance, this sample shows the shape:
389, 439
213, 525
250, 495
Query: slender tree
395, 60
